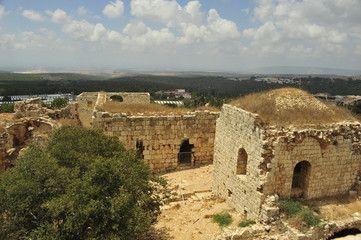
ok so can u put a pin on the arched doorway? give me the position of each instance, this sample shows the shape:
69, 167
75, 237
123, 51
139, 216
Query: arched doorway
185, 152
300, 179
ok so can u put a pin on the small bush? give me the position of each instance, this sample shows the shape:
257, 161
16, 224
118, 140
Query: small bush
223, 219
246, 223
289, 207
293, 208
59, 102
310, 217
7, 108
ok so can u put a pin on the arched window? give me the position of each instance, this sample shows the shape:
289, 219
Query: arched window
116, 98
242, 162
300, 179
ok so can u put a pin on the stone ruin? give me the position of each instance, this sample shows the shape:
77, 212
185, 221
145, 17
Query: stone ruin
254, 159
32, 123
164, 142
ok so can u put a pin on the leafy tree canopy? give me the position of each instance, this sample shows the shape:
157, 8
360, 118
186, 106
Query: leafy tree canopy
59, 102
83, 185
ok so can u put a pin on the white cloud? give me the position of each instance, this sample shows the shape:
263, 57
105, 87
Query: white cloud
58, 16
82, 11
114, 9
222, 28
3, 13
6, 40
167, 12
189, 21
33, 16
85, 31
327, 25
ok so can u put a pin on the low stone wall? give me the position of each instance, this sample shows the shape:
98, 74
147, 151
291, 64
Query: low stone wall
159, 138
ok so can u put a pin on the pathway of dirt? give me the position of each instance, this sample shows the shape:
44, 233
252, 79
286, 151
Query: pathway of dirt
190, 217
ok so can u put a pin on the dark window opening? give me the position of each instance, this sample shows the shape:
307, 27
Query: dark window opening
242, 162
185, 152
140, 148
345, 232
229, 193
300, 179
116, 98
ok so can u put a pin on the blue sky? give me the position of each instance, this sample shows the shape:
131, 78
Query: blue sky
209, 35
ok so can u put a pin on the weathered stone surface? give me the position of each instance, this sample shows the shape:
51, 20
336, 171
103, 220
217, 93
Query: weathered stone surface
328, 158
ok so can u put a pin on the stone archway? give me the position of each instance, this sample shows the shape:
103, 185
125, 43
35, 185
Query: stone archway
301, 179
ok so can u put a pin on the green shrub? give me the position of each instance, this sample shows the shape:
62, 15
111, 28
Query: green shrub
59, 102
289, 207
246, 223
295, 208
310, 217
7, 108
223, 219
83, 185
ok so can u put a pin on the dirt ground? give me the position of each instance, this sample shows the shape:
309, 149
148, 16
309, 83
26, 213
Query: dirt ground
190, 217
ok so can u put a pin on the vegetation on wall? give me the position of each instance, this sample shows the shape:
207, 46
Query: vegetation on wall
82, 185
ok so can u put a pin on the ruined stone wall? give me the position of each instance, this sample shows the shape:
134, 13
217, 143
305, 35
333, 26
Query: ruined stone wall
237, 129
20, 133
329, 160
162, 136
333, 154
130, 98
86, 103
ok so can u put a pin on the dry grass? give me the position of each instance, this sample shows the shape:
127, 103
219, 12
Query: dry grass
340, 211
290, 106
148, 109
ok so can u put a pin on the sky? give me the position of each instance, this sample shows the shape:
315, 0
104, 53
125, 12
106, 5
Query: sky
168, 35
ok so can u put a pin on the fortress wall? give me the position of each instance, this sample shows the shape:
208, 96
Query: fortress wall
328, 160
160, 137
334, 161
237, 129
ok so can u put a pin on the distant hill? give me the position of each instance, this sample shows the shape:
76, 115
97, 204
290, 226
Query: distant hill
303, 70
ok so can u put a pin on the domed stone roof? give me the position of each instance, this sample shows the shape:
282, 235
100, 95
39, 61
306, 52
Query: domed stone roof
291, 106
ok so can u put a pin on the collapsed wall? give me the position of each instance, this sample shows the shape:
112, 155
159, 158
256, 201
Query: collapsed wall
18, 134
88, 100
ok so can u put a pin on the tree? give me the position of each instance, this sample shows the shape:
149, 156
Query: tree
83, 185
7, 108
59, 102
